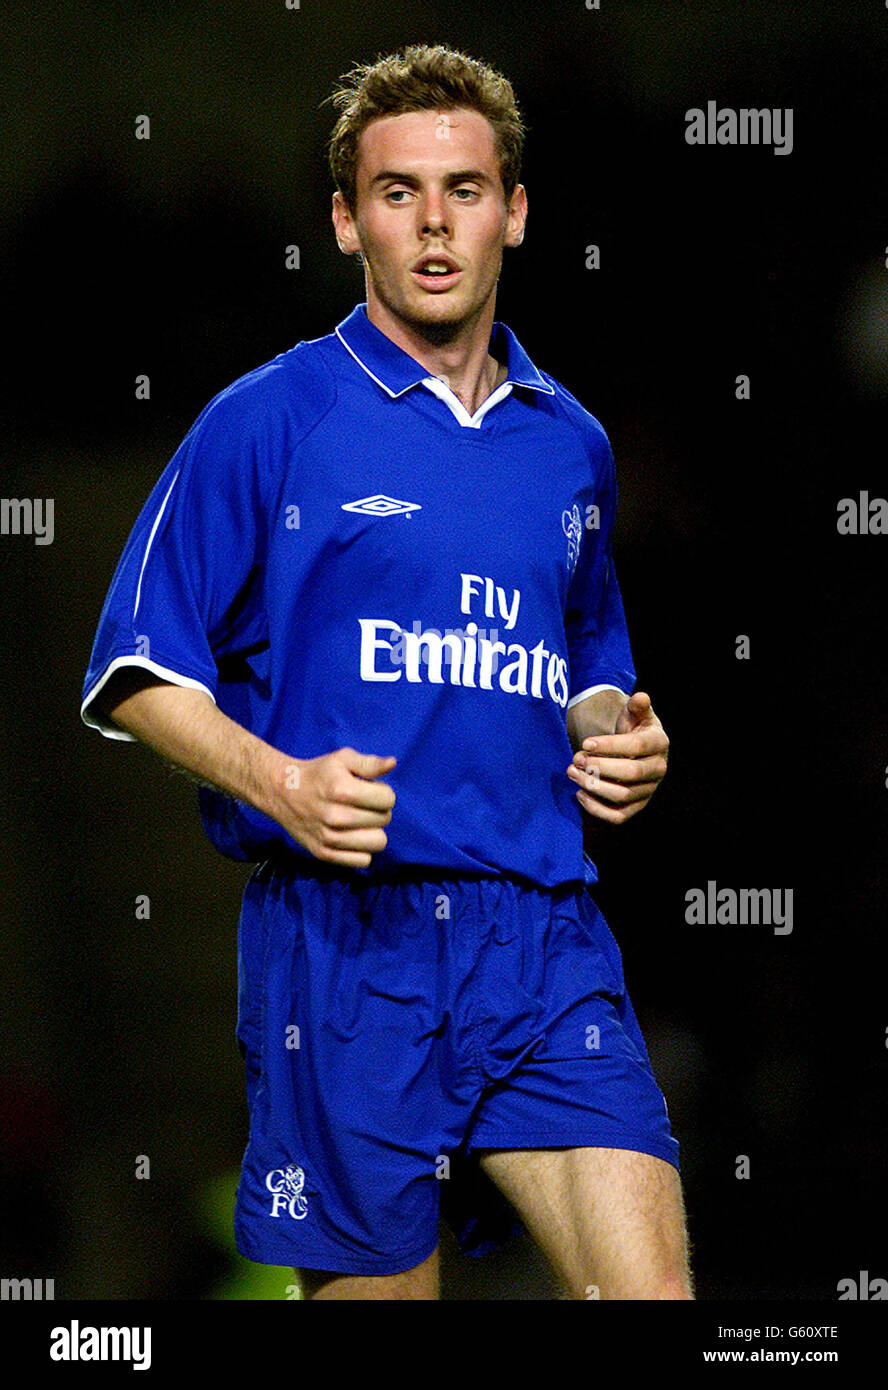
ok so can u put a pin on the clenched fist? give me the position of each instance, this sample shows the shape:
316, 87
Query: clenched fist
334, 805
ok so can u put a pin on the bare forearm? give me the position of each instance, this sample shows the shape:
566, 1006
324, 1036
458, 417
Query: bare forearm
186, 727
334, 805
597, 714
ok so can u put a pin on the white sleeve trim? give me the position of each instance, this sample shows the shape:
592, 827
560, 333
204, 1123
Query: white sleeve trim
593, 690
112, 730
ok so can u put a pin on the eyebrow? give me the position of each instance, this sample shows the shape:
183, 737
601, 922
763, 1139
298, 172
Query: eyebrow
460, 176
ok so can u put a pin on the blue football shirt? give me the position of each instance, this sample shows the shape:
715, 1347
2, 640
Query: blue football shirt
338, 554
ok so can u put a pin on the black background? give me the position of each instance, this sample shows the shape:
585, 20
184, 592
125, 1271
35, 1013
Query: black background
167, 257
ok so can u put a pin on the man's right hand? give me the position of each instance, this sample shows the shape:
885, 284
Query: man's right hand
334, 806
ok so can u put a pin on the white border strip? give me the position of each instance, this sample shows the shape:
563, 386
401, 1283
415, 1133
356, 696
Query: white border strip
385, 388
113, 731
444, 393
593, 690
538, 385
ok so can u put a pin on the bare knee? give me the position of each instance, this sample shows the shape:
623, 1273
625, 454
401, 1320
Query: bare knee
420, 1282
654, 1283
672, 1287
675, 1287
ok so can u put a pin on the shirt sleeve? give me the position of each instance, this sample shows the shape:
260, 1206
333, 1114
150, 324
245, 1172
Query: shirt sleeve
600, 656
185, 588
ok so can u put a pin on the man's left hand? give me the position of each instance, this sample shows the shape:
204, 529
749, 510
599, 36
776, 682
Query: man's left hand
618, 773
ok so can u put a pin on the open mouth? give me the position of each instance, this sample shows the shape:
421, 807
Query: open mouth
436, 273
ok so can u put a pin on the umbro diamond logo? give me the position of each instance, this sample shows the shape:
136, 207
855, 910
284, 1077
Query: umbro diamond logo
380, 505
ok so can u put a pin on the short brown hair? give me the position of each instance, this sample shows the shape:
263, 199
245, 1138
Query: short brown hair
422, 78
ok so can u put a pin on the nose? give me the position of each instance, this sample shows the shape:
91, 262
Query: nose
433, 214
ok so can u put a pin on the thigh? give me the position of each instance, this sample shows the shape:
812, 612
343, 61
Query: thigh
421, 1282
610, 1221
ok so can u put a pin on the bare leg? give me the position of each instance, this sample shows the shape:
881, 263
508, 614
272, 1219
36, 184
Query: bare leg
421, 1282
610, 1221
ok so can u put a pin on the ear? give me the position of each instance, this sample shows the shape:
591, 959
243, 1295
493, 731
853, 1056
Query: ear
346, 232
516, 216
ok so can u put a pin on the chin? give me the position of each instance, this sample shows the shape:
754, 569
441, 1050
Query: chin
424, 312
442, 313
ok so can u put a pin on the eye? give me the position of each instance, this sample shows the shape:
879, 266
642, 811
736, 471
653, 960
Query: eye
396, 193
465, 188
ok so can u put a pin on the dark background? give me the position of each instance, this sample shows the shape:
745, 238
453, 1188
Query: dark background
166, 257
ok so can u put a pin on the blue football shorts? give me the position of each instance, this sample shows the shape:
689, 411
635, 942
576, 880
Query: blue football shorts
392, 1026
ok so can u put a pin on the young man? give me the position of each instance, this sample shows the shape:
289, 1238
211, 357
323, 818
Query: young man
423, 974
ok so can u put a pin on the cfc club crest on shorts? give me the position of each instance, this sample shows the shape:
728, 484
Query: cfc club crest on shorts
285, 1186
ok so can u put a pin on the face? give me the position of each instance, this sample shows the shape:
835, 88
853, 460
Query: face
429, 188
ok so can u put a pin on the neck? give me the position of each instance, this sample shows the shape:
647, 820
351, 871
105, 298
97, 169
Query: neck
456, 353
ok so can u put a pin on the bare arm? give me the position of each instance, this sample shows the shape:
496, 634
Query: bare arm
597, 714
332, 805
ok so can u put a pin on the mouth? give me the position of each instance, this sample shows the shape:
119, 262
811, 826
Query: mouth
436, 272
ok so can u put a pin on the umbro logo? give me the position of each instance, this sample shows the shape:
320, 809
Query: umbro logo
380, 505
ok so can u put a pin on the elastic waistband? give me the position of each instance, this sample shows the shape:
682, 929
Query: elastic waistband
294, 866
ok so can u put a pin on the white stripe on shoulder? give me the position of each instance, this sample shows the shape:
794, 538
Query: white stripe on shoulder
151, 540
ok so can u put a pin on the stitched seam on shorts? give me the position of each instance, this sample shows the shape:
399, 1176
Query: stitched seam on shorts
474, 1021
359, 1264
637, 1142
263, 1088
